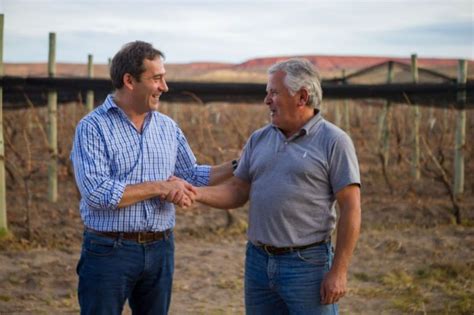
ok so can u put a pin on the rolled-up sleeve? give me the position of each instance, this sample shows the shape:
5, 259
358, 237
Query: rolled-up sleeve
186, 167
92, 169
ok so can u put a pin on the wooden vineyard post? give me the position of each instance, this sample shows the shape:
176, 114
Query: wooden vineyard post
385, 122
90, 75
415, 161
460, 141
347, 118
337, 114
3, 187
52, 124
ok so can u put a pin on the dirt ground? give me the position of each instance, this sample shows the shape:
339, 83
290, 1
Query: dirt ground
387, 273
411, 258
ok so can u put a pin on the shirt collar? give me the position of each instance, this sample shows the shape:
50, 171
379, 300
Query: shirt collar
109, 103
307, 128
310, 126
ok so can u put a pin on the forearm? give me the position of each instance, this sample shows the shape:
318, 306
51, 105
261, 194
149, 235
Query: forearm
347, 234
334, 285
139, 192
221, 172
228, 195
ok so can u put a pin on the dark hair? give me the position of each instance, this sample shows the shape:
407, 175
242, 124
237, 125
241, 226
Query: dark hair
129, 59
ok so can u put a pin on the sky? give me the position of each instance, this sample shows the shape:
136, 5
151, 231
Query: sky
237, 30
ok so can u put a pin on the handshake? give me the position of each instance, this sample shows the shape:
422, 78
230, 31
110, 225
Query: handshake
179, 192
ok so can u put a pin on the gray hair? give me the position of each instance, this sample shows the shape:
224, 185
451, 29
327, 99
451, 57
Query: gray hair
300, 73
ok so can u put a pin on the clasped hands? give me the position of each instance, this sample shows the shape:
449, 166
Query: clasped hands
179, 192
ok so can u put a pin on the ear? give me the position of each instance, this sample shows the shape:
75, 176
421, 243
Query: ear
303, 97
128, 81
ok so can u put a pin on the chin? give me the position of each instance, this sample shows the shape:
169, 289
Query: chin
155, 106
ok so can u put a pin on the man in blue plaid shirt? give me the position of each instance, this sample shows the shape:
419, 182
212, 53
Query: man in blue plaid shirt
132, 164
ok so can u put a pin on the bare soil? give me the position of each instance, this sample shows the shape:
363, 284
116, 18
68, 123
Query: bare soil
411, 257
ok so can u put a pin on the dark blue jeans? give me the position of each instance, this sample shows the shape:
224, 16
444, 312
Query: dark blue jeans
287, 283
114, 270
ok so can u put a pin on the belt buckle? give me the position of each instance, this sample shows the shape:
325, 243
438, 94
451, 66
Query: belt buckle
265, 247
140, 240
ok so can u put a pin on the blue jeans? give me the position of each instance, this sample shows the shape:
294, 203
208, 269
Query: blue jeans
113, 270
287, 283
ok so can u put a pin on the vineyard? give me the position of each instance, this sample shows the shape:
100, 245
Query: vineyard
412, 256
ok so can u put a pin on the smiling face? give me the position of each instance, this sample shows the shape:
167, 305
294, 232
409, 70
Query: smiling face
147, 91
284, 107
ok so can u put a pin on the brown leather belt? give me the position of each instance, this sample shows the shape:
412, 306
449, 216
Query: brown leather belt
272, 250
139, 237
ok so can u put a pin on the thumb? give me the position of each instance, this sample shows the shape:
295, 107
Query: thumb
322, 291
189, 186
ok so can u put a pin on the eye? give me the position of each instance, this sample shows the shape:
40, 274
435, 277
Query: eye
158, 78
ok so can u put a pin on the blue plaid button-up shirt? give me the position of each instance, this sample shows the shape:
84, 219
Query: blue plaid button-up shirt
109, 153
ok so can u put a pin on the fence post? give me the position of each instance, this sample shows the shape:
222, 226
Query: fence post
3, 187
90, 75
337, 114
385, 121
347, 124
460, 141
415, 166
336, 109
52, 124
445, 119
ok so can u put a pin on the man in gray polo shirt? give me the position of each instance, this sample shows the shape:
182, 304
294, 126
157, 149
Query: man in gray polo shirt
293, 171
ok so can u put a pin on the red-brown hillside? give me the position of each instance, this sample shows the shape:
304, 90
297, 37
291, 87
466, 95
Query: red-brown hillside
330, 63
251, 70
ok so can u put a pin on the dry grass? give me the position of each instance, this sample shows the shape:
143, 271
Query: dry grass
411, 258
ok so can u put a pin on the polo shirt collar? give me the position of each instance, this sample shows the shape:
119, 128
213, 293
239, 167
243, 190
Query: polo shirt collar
310, 126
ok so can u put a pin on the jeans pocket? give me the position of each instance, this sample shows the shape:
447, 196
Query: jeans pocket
316, 256
100, 247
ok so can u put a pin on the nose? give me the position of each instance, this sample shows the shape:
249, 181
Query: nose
163, 86
267, 100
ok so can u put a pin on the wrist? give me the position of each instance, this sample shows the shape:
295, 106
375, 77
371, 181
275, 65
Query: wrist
339, 269
161, 189
201, 194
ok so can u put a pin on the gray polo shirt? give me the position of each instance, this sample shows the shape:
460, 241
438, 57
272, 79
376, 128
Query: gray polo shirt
294, 181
